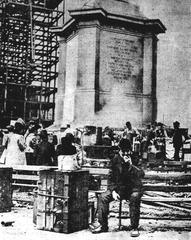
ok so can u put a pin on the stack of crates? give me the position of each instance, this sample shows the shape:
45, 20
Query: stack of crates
62, 201
5, 189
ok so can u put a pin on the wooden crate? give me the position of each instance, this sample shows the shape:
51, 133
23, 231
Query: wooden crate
62, 201
100, 151
5, 189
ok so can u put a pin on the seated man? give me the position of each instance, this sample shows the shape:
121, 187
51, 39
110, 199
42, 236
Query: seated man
124, 183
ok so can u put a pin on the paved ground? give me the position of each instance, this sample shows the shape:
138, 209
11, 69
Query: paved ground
23, 229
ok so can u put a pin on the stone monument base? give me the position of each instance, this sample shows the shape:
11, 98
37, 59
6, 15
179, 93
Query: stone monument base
107, 72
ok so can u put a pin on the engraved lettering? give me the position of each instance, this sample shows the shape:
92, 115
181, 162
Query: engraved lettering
124, 56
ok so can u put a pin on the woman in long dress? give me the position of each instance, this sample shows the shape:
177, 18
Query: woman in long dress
16, 146
5, 141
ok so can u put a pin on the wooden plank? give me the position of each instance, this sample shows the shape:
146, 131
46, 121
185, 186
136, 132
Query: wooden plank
25, 177
186, 205
153, 175
32, 168
166, 188
173, 207
169, 164
175, 163
97, 160
170, 169
165, 199
23, 200
97, 171
24, 185
157, 194
158, 218
4, 167
154, 194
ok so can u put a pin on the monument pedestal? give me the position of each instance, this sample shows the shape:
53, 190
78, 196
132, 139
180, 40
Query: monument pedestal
107, 72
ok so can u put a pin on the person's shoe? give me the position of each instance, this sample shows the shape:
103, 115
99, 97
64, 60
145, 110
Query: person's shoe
135, 233
99, 229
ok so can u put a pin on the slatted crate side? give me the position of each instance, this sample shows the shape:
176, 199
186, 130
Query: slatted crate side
44, 202
62, 202
40, 219
49, 204
5, 189
46, 191
41, 199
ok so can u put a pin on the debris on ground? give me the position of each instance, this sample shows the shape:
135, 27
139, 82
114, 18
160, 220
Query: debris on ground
7, 224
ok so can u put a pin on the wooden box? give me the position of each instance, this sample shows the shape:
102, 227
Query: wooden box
5, 189
62, 201
100, 151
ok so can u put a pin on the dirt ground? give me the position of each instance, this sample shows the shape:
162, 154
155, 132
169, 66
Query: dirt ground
23, 227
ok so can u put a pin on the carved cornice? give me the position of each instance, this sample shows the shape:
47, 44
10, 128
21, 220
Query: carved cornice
84, 16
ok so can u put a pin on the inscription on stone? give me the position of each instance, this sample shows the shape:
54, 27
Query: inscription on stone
124, 59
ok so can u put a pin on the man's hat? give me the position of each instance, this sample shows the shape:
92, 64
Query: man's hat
176, 123
160, 124
20, 121
43, 134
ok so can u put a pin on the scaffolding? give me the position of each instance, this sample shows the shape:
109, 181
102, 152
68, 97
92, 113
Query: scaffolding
28, 59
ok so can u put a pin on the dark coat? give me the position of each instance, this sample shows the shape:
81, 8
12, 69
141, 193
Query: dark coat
121, 176
44, 154
65, 150
177, 139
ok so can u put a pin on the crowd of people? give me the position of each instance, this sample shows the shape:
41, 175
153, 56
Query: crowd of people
153, 138
32, 145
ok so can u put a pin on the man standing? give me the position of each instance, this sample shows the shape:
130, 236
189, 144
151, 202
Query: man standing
130, 133
124, 183
44, 152
177, 140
